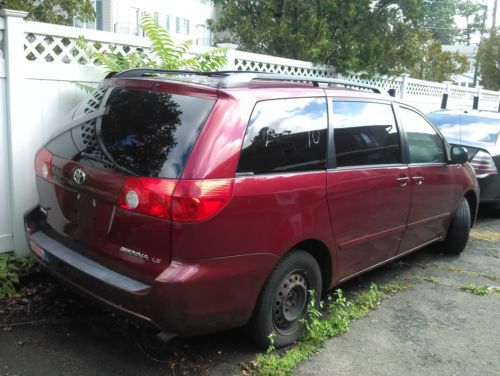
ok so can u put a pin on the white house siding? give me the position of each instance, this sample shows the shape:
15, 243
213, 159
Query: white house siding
122, 16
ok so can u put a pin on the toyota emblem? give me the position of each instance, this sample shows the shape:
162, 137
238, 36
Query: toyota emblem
79, 176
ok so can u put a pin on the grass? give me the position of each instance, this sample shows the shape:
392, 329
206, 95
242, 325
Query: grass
485, 235
320, 327
475, 289
454, 269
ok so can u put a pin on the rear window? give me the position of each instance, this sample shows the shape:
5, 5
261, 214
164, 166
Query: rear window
145, 133
151, 133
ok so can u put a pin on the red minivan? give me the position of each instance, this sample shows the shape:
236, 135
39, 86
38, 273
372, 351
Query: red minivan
205, 201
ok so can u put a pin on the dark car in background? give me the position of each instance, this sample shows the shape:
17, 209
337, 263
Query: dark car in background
478, 132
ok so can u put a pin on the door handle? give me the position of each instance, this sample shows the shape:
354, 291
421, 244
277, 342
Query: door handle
403, 181
418, 179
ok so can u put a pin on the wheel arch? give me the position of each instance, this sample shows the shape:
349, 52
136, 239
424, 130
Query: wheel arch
322, 255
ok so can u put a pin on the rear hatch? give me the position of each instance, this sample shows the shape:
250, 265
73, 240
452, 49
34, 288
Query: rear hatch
105, 180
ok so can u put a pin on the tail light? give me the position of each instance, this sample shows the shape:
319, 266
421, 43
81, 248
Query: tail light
196, 200
149, 196
43, 164
483, 164
178, 200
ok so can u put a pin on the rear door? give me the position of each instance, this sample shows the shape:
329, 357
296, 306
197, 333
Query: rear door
434, 192
368, 184
117, 134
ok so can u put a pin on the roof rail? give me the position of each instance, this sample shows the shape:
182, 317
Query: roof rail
141, 72
233, 79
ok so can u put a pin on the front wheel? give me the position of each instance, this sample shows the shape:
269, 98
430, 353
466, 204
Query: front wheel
283, 302
458, 232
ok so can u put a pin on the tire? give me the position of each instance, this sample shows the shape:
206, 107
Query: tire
284, 299
458, 232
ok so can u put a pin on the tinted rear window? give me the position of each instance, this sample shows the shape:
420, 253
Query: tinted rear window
152, 133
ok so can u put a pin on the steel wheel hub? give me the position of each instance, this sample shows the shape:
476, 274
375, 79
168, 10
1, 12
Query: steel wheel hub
290, 301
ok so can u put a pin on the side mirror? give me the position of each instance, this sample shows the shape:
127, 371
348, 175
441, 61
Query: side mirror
459, 155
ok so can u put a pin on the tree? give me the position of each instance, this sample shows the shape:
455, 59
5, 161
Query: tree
61, 12
475, 18
435, 64
438, 17
362, 35
488, 58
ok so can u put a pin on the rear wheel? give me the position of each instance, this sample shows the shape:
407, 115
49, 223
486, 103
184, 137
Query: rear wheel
458, 232
284, 299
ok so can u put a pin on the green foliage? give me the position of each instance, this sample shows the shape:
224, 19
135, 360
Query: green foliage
488, 58
434, 63
439, 20
473, 289
165, 54
374, 37
61, 12
322, 326
475, 17
8, 275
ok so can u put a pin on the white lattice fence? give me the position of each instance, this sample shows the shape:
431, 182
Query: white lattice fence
385, 83
46, 43
245, 61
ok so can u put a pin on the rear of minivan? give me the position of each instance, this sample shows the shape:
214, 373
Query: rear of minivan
111, 187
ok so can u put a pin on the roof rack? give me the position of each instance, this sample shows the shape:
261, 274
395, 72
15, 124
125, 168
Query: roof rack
233, 79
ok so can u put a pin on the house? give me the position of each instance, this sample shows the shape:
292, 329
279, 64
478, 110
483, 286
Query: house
184, 19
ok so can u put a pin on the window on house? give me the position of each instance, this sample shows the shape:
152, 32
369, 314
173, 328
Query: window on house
181, 26
167, 22
204, 35
156, 16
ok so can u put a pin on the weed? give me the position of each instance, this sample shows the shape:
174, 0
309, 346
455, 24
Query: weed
11, 268
322, 326
8, 275
478, 290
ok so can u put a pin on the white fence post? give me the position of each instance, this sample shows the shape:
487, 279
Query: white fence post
404, 85
6, 240
17, 134
230, 55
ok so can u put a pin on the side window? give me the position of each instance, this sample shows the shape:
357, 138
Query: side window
425, 145
286, 135
365, 134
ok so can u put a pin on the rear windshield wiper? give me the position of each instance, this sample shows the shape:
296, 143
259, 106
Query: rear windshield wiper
107, 161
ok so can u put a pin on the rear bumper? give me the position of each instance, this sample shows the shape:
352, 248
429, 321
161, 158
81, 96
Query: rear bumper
489, 189
187, 298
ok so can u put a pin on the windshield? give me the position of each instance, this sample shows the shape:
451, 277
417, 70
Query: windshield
467, 127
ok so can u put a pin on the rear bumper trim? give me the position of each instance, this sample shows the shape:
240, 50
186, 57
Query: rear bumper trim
86, 265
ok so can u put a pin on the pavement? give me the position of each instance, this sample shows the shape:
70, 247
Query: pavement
433, 329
